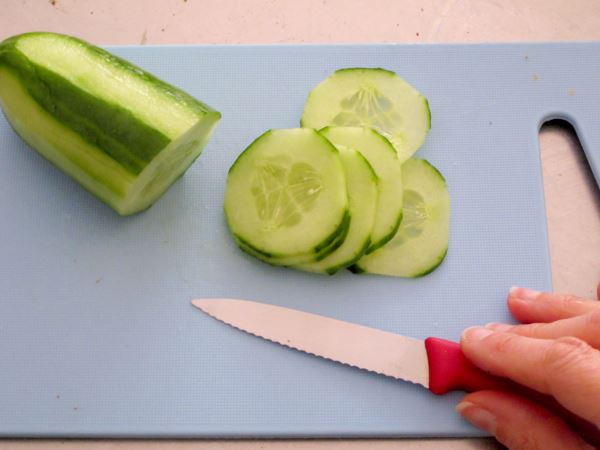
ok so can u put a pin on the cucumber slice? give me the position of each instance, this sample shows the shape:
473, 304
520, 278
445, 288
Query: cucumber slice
381, 156
307, 258
286, 195
422, 240
121, 133
375, 98
362, 194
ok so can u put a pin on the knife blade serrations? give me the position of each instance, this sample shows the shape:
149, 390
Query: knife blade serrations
356, 345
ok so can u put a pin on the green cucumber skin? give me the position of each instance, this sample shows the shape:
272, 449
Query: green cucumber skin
352, 263
365, 69
82, 113
428, 113
335, 239
331, 244
375, 245
109, 127
247, 150
432, 268
180, 96
435, 170
357, 269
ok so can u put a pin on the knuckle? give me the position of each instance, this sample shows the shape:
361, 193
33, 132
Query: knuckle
563, 353
532, 329
521, 441
565, 302
502, 342
593, 320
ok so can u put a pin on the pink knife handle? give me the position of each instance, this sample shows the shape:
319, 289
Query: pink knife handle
449, 370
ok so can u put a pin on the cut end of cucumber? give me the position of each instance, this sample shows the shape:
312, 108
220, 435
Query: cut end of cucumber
168, 166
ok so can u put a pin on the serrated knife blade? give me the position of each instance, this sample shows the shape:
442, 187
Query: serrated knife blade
351, 344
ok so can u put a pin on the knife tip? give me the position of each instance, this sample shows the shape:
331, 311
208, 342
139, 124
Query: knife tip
199, 303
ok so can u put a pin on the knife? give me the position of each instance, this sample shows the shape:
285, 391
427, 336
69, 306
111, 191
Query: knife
437, 364
434, 363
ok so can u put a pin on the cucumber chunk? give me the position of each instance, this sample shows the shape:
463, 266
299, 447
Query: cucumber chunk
286, 196
422, 240
120, 132
362, 194
381, 156
371, 97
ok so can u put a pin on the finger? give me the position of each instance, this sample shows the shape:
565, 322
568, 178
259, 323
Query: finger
585, 327
598, 291
566, 368
530, 306
518, 423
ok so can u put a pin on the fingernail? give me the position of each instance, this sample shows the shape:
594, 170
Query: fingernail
498, 326
524, 293
478, 416
476, 333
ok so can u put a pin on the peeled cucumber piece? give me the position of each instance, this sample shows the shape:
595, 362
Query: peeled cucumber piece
286, 197
362, 194
380, 154
371, 97
123, 134
422, 240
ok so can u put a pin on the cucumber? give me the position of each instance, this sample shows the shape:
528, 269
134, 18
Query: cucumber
286, 196
371, 97
123, 134
381, 156
362, 194
422, 240
306, 258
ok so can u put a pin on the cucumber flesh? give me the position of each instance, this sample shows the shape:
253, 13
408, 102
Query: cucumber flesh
380, 154
121, 133
362, 194
371, 97
422, 240
286, 195
307, 258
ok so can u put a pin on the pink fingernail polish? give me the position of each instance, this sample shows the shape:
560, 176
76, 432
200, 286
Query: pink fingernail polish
524, 293
478, 416
476, 333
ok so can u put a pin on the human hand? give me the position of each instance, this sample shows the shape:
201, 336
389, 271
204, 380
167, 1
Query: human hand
556, 352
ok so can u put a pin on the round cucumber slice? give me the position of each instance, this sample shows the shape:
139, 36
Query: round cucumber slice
375, 98
362, 194
422, 240
286, 195
380, 154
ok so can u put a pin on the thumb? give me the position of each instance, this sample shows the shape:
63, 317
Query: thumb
518, 423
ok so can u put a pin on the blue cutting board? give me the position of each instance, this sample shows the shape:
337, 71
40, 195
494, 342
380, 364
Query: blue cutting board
97, 335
